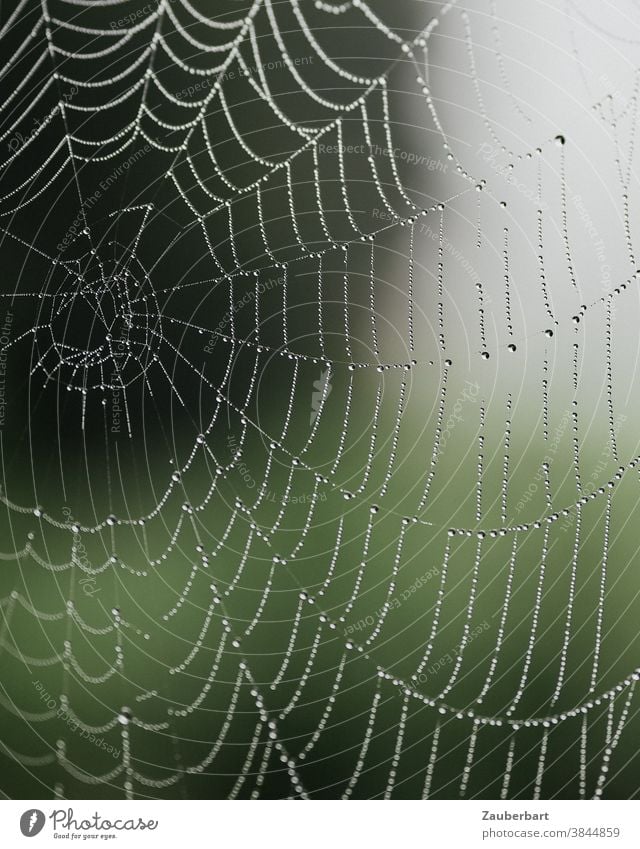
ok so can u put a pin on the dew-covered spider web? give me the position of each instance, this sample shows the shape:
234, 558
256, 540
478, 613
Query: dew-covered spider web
318, 392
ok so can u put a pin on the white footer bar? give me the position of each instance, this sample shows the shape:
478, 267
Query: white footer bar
320, 824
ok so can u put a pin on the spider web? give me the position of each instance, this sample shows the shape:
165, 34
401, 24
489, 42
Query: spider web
318, 462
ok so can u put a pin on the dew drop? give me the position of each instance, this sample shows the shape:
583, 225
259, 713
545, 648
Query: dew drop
125, 716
